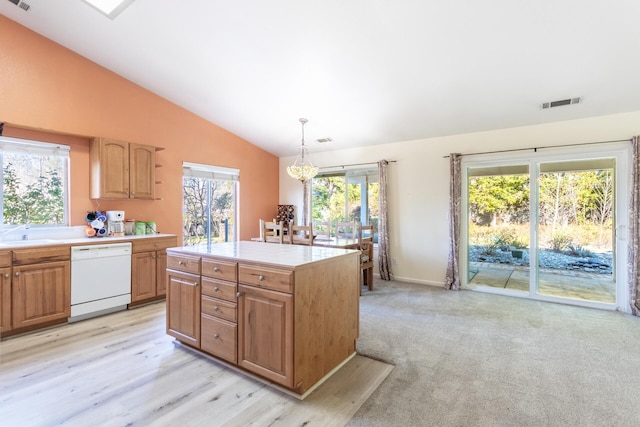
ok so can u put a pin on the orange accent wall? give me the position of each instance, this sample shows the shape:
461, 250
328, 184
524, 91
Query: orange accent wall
52, 94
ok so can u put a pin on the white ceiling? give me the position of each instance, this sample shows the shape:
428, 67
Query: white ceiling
363, 72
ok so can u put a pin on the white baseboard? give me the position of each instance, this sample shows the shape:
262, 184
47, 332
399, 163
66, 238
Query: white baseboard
412, 280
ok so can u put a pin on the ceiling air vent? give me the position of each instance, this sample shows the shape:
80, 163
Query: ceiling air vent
22, 5
560, 103
321, 140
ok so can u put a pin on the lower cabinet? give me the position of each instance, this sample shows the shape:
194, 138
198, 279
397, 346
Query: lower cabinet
143, 276
41, 293
265, 334
148, 268
183, 307
5, 300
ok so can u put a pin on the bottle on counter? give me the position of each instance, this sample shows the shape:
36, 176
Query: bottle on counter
130, 227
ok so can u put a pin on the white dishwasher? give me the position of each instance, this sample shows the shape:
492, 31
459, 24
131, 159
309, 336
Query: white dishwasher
100, 279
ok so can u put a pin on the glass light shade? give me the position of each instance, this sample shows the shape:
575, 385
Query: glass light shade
302, 173
302, 169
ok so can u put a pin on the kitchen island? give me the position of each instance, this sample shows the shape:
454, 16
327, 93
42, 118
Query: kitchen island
287, 314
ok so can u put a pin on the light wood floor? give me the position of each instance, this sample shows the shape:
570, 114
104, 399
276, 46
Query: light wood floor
123, 370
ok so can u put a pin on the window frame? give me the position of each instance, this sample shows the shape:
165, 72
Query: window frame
366, 176
26, 146
216, 173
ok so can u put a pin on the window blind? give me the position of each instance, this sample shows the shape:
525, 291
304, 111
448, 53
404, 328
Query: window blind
197, 170
16, 145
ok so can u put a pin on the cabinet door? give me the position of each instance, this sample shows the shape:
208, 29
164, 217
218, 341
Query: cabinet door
142, 159
113, 165
5, 300
143, 276
265, 333
41, 293
161, 268
183, 307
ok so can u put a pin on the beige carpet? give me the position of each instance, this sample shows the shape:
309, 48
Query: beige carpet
472, 359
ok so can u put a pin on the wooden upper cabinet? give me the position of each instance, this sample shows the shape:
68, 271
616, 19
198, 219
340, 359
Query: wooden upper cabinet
122, 170
142, 171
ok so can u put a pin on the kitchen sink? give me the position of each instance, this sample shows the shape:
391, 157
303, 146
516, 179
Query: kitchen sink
27, 242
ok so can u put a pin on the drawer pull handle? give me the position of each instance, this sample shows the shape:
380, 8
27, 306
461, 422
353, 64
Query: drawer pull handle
180, 262
216, 308
216, 336
216, 269
17, 273
6, 275
216, 289
238, 294
261, 277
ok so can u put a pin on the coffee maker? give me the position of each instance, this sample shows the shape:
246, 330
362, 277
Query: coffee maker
115, 223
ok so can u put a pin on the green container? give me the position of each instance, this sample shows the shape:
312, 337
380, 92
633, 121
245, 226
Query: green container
151, 227
141, 228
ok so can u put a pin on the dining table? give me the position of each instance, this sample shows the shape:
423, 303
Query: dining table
337, 242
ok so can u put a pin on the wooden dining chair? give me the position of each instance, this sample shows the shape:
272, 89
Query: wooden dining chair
271, 232
346, 229
322, 230
365, 244
301, 234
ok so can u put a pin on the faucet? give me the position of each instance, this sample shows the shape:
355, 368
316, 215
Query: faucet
16, 228
25, 236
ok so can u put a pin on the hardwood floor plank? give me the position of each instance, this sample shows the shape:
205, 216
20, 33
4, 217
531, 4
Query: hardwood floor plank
122, 369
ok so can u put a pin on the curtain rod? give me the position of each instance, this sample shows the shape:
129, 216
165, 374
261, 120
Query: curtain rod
535, 149
354, 164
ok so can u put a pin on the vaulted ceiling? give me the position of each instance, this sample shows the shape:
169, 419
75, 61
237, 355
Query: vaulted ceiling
363, 72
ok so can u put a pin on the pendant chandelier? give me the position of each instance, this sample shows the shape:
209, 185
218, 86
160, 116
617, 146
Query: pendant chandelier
302, 169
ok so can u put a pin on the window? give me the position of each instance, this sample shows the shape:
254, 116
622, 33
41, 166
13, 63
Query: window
209, 195
34, 182
346, 196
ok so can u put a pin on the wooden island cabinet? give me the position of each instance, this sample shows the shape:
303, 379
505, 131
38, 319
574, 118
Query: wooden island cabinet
287, 313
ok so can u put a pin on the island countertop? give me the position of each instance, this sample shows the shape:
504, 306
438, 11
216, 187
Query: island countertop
283, 255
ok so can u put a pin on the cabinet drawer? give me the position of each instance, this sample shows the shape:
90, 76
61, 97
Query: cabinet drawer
268, 278
219, 338
5, 259
152, 244
41, 254
219, 308
184, 263
217, 269
219, 289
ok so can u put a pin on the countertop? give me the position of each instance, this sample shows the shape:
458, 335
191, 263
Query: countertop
266, 253
37, 242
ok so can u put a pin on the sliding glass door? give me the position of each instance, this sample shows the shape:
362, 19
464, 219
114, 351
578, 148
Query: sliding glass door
545, 227
576, 214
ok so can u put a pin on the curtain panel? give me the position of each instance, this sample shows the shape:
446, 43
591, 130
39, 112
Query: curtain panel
634, 229
384, 266
452, 279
